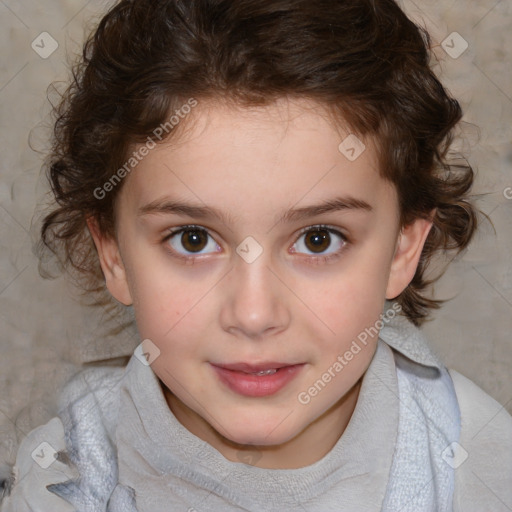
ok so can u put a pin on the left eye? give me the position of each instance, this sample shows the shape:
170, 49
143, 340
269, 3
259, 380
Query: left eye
318, 239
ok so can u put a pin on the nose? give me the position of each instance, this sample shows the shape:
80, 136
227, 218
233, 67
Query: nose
255, 301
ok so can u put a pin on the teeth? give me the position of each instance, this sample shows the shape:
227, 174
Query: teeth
266, 372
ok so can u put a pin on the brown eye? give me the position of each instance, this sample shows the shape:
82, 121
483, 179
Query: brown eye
318, 240
194, 240
190, 240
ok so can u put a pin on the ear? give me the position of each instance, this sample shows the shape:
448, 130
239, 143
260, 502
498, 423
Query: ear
407, 255
111, 263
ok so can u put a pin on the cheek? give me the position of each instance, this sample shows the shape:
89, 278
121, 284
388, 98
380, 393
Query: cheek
354, 298
350, 304
160, 301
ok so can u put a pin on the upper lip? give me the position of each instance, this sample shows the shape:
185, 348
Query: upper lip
253, 368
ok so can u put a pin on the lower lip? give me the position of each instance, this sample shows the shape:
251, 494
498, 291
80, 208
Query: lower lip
252, 385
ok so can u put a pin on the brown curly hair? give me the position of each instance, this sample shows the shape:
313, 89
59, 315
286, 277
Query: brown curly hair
366, 61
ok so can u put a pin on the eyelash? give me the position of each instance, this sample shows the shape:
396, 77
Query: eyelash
315, 260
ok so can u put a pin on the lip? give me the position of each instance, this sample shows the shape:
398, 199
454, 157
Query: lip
237, 377
252, 368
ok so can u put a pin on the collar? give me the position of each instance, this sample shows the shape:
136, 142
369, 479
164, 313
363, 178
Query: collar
407, 339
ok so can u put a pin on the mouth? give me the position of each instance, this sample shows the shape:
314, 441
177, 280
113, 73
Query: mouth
270, 366
257, 380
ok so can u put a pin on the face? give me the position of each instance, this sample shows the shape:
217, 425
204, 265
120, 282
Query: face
254, 253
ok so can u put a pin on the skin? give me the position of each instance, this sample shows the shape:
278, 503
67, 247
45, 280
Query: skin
288, 305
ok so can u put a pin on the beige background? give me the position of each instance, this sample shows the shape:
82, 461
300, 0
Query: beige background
46, 334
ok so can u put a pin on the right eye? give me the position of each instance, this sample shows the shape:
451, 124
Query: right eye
194, 240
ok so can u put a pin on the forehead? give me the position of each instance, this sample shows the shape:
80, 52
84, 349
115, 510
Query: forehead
257, 159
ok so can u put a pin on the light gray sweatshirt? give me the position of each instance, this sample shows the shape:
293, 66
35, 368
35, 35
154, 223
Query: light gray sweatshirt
421, 438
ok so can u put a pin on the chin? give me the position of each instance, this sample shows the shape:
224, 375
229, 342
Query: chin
267, 433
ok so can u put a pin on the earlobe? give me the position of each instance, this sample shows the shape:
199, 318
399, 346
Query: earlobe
407, 255
111, 264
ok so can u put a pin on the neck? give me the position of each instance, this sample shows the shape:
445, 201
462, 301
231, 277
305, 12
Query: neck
308, 447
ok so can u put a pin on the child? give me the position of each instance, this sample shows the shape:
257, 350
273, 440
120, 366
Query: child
265, 184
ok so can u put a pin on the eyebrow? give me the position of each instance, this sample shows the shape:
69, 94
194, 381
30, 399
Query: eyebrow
168, 206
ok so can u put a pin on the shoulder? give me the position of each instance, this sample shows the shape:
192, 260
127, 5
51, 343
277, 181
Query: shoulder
483, 465
93, 388
97, 382
44, 456
40, 461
